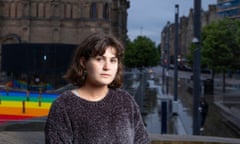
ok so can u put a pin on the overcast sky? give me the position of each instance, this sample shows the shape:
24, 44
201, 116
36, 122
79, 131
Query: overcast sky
148, 17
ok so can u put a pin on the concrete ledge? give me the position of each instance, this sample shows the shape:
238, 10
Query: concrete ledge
187, 139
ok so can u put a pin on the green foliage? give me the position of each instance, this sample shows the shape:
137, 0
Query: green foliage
142, 52
190, 56
220, 47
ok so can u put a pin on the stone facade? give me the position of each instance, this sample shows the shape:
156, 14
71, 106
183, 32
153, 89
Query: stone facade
60, 21
185, 32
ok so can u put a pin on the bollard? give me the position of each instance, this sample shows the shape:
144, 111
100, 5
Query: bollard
164, 121
40, 97
39, 103
23, 107
39, 100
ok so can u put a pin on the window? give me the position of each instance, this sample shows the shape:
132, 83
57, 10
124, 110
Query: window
93, 11
105, 11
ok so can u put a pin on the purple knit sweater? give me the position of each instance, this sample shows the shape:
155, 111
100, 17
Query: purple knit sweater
113, 120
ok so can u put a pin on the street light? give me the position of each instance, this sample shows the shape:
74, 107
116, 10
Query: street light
196, 67
195, 40
163, 64
168, 57
175, 100
165, 59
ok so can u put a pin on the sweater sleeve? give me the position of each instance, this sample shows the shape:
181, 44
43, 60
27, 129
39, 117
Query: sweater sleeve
141, 135
58, 127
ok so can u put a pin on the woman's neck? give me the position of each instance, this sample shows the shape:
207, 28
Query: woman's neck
92, 93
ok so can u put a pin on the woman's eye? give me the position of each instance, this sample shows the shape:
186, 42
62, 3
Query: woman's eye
114, 60
99, 58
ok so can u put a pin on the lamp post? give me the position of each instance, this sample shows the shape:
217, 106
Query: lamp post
168, 57
163, 68
165, 60
196, 67
175, 100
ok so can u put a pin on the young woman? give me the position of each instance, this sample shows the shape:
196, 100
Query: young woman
98, 111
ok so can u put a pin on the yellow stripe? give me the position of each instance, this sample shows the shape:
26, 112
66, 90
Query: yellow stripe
17, 104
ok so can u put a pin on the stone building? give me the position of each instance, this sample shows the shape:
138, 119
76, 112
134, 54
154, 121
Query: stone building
185, 34
60, 21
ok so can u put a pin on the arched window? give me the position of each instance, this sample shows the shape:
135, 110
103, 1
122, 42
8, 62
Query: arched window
93, 11
68, 11
25, 10
105, 11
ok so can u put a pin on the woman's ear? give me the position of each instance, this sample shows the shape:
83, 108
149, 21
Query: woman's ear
83, 62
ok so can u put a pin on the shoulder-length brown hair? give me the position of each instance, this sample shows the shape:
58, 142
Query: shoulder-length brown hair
95, 44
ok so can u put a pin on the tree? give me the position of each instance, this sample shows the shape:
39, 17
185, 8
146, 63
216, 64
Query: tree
221, 46
142, 52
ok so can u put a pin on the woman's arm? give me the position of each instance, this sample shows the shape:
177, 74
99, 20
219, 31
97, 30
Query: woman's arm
58, 126
141, 135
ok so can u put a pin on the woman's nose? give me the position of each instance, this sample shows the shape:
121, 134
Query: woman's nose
106, 65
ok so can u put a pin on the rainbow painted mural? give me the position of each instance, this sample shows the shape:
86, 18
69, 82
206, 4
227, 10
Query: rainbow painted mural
16, 105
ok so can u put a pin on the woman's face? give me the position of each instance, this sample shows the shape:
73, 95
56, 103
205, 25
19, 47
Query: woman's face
101, 70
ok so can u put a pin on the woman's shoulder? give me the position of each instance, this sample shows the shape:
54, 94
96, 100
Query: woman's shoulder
64, 96
122, 94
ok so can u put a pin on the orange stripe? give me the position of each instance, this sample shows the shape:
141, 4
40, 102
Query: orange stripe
28, 111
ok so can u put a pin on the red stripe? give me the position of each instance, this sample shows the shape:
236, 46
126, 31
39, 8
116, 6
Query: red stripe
6, 118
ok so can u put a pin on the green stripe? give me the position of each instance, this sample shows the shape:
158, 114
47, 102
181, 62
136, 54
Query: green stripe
17, 98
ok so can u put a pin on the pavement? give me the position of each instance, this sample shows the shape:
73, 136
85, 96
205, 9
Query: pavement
22, 132
17, 137
216, 123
